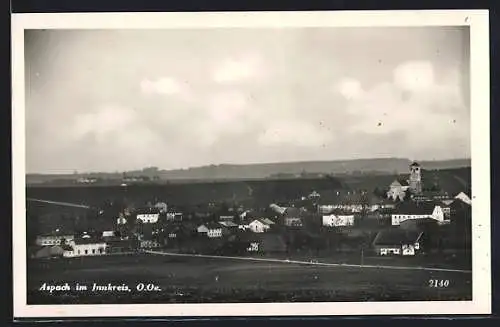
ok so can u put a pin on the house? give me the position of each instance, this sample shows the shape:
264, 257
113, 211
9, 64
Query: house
267, 243
215, 230
397, 242
51, 251
228, 224
87, 246
149, 244
314, 196
174, 216
397, 189
292, 217
226, 218
120, 246
462, 196
161, 207
258, 226
53, 238
202, 229
148, 218
338, 220
107, 234
276, 208
416, 211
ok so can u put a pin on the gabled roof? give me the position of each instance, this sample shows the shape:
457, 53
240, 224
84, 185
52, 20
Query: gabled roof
396, 236
91, 240
400, 181
414, 164
411, 208
228, 224
268, 221
213, 225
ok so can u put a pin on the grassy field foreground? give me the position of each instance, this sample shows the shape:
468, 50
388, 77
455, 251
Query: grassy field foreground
205, 280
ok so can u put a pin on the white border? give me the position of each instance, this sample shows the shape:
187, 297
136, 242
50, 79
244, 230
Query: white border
479, 34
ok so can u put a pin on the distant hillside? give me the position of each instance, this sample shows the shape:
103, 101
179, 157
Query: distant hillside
269, 170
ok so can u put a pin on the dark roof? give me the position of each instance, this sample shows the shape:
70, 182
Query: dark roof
213, 225
415, 164
396, 236
292, 212
412, 208
91, 240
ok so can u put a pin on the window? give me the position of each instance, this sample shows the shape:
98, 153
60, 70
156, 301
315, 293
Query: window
78, 251
86, 251
93, 251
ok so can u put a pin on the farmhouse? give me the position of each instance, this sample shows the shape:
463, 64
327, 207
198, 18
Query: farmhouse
292, 217
148, 218
214, 230
416, 211
462, 196
333, 220
202, 229
258, 226
86, 247
226, 218
266, 243
54, 251
54, 238
397, 242
228, 224
174, 216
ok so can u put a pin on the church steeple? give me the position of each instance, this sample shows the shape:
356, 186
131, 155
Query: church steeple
415, 181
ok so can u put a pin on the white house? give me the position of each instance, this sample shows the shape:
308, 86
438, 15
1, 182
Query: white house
417, 212
86, 247
258, 226
108, 233
171, 216
397, 242
338, 220
464, 198
148, 218
214, 230
53, 239
276, 208
202, 229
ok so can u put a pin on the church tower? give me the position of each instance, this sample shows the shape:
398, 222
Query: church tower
415, 181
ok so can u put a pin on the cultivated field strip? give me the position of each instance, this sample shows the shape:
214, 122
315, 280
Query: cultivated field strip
66, 204
310, 262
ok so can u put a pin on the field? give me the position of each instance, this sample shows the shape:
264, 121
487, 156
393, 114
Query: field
212, 280
251, 193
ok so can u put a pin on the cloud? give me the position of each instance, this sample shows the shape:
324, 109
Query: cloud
164, 85
349, 88
428, 113
414, 76
233, 70
294, 133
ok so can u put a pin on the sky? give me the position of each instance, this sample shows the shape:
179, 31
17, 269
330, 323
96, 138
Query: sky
116, 100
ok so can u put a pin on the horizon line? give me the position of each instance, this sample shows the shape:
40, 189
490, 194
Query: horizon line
76, 172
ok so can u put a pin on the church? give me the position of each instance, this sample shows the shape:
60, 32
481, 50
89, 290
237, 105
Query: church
399, 188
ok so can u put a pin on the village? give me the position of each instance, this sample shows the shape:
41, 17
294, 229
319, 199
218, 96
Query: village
406, 218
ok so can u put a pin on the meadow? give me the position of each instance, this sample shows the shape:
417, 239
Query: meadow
217, 280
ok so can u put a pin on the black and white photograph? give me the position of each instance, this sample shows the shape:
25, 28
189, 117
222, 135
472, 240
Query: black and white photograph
251, 163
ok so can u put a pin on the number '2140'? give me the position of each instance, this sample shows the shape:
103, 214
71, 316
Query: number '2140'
441, 283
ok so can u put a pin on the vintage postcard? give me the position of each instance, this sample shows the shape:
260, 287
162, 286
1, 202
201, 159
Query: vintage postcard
251, 164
